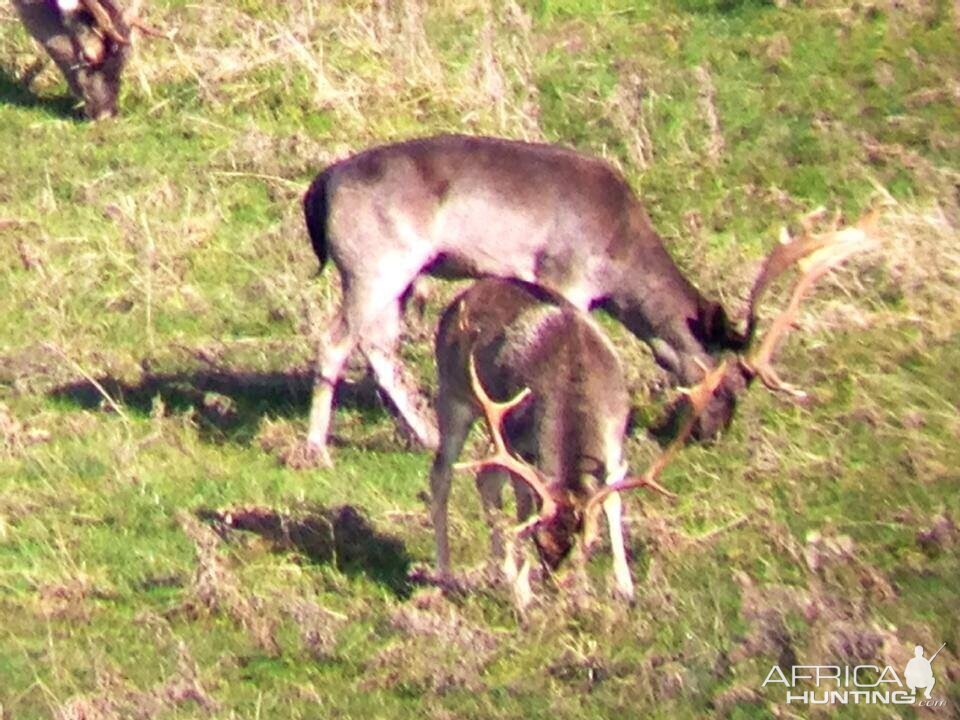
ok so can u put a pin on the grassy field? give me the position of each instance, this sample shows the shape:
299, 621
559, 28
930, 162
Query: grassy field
158, 299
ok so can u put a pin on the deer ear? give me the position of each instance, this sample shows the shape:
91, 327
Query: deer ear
716, 330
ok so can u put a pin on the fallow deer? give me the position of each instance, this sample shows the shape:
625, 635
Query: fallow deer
560, 437
458, 206
504, 337
89, 40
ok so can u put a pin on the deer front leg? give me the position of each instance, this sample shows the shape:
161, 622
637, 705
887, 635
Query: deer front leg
613, 508
518, 573
506, 547
490, 486
518, 576
455, 421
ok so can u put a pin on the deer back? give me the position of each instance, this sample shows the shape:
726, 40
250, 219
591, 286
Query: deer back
523, 336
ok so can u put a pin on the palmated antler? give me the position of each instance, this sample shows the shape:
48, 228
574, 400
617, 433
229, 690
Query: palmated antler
699, 397
495, 413
815, 255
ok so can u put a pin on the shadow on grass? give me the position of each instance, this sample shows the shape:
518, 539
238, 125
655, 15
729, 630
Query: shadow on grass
229, 403
15, 92
339, 536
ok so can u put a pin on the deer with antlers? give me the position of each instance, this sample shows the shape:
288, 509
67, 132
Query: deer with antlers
516, 340
89, 40
558, 430
459, 206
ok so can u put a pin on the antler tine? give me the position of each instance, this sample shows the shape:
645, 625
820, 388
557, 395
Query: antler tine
495, 412
816, 258
791, 251
104, 22
699, 396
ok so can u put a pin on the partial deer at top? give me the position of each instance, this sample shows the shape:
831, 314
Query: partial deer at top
89, 40
458, 206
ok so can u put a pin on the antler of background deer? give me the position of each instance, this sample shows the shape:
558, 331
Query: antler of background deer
103, 21
495, 413
699, 397
816, 255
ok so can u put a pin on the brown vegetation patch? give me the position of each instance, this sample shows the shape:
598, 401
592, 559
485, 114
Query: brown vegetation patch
116, 699
439, 650
15, 436
215, 588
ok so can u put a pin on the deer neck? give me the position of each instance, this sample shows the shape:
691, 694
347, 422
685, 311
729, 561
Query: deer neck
658, 304
573, 438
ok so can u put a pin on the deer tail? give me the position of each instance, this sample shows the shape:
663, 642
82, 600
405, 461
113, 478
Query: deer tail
315, 213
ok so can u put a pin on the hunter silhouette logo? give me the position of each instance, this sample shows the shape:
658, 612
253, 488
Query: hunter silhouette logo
865, 684
918, 673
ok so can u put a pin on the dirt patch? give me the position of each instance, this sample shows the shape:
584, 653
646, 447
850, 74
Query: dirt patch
215, 588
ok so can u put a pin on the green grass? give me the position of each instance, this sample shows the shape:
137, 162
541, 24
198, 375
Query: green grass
163, 254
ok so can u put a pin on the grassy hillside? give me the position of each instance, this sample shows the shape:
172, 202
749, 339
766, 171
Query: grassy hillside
158, 301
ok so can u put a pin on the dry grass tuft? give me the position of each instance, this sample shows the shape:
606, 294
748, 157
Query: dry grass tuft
15, 436
708, 104
439, 649
116, 699
215, 588
631, 118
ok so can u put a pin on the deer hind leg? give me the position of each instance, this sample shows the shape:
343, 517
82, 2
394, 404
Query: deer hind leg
379, 344
334, 348
455, 421
369, 310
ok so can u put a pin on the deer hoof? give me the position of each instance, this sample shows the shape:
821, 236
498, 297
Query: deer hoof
625, 595
306, 456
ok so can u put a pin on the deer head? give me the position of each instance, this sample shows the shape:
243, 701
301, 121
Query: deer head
815, 253
90, 42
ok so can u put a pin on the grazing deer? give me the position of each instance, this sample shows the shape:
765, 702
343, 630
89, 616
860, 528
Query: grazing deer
511, 337
89, 40
562, 444
457, 206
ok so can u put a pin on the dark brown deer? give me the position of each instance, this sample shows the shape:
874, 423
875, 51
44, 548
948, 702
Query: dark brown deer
89, 40
559, 425
506, 337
